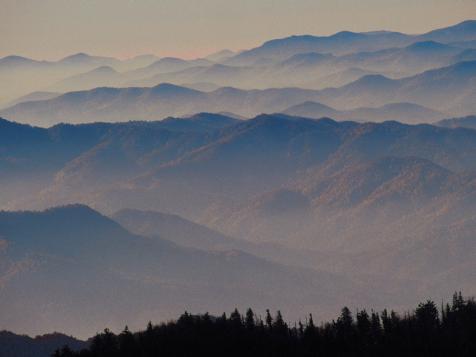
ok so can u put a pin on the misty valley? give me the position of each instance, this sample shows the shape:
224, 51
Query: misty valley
319, 190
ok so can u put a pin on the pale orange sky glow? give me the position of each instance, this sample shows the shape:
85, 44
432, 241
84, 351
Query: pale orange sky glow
51, 29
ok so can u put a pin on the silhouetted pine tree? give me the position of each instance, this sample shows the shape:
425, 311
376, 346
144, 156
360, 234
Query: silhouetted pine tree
250, 319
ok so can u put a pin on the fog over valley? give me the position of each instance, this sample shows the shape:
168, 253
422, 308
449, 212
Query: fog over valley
305, 174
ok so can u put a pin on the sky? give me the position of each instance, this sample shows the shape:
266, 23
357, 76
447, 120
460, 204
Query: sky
52, 29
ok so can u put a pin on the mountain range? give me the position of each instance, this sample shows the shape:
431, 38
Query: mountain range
226, 210
312, 70
464, 122
21, 75
310, 62
302, 175
252, 151
346, 42
60, 263
447, 90
316, 70
402, 112
14, 345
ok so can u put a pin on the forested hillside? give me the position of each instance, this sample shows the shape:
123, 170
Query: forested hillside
426, 331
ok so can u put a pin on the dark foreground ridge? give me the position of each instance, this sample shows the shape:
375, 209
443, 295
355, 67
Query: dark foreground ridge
449, 330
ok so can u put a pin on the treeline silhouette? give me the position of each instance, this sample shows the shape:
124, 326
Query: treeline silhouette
448, 330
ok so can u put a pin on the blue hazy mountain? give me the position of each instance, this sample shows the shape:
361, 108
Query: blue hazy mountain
464, 122
116, 104
246, 159
21, 75
288, 147
132, 278
316, 70
403, 112
346, 42
397, 60
466, 55
117, 151
178, 230
40, 346
220, 56
298, 175
28, 147
409, 60
401, 215
165, 65
273, 180
80, 61
87, 162
83, 59
205, 145
16, 62
463, 31
448, 89
340, 43
100, 76
218, 74
31, 97
113, 104
306, 61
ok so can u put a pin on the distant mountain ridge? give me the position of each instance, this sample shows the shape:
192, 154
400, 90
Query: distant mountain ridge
131, 277
307, 195
429, 89
298, 175
315, 70
14, 345
78, 59
447, 89
113, 104
17, 72
177, 229
465, 122
33, 97
403, 112
95, 156
305, 61
345, 42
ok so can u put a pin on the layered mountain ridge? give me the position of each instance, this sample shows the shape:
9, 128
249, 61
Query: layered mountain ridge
301, 175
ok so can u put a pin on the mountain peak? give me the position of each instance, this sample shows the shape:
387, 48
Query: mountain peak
73, 207
169, 60
84, 58
103, 70
310, 109
71, 221
465, 30
228, 91
16, 60
211, 116
169, 88
220, 55
372, 80
76, 57
290, 39
348, 35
